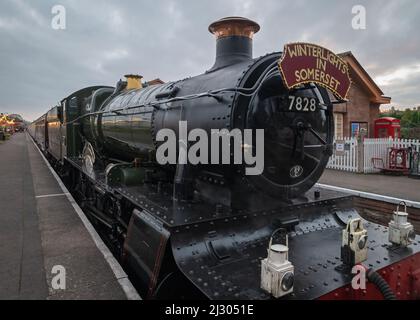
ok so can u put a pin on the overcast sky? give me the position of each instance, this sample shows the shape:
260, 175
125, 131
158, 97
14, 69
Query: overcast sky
104, 40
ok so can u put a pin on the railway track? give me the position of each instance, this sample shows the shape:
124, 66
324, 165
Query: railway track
381, 211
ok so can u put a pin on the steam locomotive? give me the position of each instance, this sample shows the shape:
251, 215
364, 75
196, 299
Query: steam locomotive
202, 231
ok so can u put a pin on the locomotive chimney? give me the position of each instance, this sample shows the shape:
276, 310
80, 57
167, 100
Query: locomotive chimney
233, 40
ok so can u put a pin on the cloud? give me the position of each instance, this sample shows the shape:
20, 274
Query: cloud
116, 20
169, 39
398, 75
30, 12
8, 23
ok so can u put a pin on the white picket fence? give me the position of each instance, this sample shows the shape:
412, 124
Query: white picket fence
378, 148
372, 148
348, 161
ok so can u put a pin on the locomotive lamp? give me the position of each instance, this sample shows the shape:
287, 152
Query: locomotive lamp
354, 243
401, 232
277, 272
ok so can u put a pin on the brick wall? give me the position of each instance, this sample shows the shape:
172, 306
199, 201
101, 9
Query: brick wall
374, 114
359, 109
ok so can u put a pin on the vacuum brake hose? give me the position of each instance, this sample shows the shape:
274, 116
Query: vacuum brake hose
381, 284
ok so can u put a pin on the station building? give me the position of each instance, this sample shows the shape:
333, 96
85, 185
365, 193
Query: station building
357, 116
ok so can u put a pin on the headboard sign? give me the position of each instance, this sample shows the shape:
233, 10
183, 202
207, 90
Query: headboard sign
305, 63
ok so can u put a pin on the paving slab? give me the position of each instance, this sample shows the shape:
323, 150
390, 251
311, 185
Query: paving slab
401, 187
40, 229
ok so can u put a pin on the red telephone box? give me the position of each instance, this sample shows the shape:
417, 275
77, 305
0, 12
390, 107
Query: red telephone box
387, 127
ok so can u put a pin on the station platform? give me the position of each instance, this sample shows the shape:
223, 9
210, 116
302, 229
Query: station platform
393, 186
41, 227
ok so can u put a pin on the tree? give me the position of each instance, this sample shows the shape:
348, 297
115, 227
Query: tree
410, 121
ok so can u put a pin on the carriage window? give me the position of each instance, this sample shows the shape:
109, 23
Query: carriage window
73, 103
60, 113
52, 115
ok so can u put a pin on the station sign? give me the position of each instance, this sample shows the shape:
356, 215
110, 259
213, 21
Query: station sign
340, 148
303, 63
